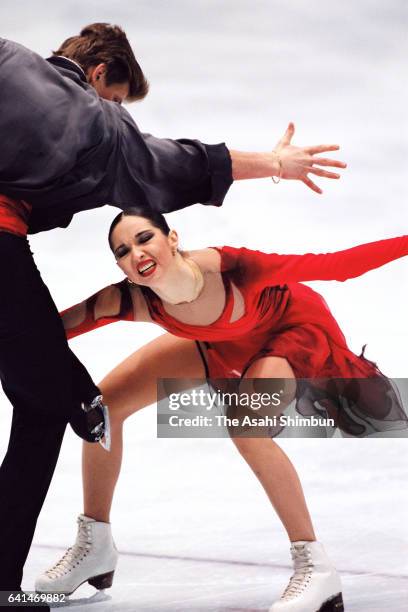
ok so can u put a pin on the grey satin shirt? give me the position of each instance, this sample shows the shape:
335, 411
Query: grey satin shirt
64, 149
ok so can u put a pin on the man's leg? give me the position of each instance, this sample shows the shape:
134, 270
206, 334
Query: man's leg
25, 476
39, 376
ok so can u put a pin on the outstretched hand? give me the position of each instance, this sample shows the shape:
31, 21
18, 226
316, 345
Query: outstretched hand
298, 162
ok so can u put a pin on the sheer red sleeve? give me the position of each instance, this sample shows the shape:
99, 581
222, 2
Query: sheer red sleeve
111, 304
272, 269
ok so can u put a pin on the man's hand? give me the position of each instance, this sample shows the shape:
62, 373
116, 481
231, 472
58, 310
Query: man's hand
298, 162
286, 161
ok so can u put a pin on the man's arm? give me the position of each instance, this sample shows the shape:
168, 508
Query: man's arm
172, 174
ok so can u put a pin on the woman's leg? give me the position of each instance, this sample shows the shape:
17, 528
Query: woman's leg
315, 584
132, 385
268, 461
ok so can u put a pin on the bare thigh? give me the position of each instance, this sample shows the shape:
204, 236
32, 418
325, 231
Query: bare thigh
132, 385
268, 375
259, 378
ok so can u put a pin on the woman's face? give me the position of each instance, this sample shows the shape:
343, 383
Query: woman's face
141, 250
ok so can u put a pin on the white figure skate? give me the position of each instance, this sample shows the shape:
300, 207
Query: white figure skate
315, 585
92, 559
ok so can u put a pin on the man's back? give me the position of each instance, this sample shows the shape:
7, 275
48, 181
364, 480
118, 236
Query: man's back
67, 150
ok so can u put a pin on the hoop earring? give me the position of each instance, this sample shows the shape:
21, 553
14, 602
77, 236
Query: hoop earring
130, 282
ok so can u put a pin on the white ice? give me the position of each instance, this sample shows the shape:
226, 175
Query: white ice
196, 531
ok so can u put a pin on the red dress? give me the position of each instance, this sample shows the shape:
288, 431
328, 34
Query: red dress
287, 319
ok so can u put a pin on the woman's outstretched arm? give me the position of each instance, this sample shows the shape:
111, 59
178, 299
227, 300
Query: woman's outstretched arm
272, 269
111, 304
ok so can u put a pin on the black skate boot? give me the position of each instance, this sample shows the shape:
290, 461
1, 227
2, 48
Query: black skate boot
91, 422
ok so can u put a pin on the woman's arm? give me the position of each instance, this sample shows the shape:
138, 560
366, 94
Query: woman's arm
263, 269
111, 304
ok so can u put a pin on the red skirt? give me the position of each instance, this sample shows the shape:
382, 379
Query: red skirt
332, 381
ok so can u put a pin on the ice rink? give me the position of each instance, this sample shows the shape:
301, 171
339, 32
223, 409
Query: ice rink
194, 528
197, 533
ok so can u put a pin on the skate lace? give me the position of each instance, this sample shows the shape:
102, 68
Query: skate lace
75, 554
302, 559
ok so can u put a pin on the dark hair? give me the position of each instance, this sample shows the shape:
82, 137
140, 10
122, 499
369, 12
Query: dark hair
155, 218
104, 43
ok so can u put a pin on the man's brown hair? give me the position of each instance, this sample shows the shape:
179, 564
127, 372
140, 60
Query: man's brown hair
104, 43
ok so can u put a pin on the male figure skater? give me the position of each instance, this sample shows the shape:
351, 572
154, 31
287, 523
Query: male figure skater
66, 149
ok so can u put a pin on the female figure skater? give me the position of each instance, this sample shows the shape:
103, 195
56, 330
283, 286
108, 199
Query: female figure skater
238, 314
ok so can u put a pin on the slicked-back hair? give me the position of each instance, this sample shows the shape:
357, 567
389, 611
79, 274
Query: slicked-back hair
105, 43
156, 219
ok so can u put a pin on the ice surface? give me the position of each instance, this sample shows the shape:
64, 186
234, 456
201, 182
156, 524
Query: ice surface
196, 531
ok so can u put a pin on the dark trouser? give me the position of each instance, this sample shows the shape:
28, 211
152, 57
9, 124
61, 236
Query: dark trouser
45, 383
